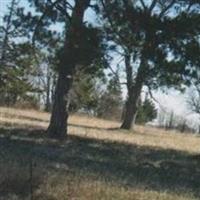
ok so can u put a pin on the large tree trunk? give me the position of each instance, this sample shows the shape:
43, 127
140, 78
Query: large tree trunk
129, 114
134, 91
58, 123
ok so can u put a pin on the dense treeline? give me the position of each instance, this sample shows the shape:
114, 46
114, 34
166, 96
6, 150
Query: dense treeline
55, 57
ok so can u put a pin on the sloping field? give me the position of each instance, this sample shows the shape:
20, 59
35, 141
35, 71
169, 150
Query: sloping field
98, 161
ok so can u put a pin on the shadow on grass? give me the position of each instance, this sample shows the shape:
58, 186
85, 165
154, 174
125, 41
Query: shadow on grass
22, 132
123, 164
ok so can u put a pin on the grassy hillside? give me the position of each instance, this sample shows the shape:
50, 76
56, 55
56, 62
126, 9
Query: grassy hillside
98, 161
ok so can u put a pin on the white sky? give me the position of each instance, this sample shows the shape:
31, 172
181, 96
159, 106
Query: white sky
173, 101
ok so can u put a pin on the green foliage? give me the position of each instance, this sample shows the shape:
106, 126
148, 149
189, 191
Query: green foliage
110, 102
94, 95
42, 26
92, 49
146, 112
85, 92
165, 34
18, 74
18, 60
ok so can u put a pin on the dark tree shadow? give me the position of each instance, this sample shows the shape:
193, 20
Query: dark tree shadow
22, 132
125, 164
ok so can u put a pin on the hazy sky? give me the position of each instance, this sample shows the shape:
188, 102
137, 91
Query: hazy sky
173, 101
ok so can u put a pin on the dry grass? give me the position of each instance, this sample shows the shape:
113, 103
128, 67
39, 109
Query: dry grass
98, 161
106, 130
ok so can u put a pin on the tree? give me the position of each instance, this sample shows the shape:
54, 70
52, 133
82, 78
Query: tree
146, 111
18, 61
86, 89
194, 99
45, 79
159, 43
57, 127
7, 32
81, 46
110, 102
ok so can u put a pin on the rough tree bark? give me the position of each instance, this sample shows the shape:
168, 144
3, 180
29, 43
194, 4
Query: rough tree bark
58, 123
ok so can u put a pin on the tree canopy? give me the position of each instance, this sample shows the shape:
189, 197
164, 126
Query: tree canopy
159, 41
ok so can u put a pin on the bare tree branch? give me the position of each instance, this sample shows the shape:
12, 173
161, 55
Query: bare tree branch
116, 75
167, 8
111, 22
194, 100
152, 5
62, 9
154, 99
143, 4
